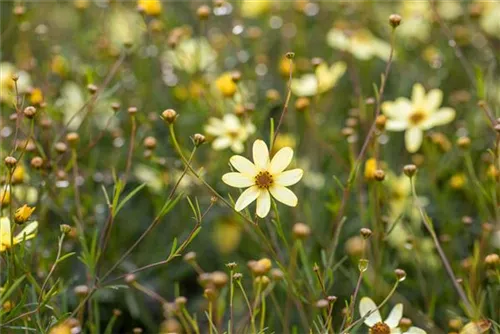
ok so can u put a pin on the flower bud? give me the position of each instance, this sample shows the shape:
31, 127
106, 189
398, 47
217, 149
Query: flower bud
36, 162
365, 232
65, 228
290, 55
463, 142
169, 116
395, 20
150, 142
22, 214
72, 139
81, 290
92, 88
301, 230
10, 161
379, 175
130, 278
410, 170
492, 259
363, 265
132, 111
400, 274
322, 303
302, 103
29, 112
203, 12
198, 139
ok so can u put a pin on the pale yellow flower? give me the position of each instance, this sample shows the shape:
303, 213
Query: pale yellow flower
7, 85
324, 79
490, 18
192, 55
264, 177
388, 326
230, 132
361, 43
476, 327
150, 7
225, 84
416, 23
417, 115
255, 8
27, 233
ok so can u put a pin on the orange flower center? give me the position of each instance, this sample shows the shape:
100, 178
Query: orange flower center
264, 180
417, 117
380, 328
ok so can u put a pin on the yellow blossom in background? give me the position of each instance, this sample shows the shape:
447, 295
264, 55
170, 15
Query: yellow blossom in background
415, 24
284, 140
230, 132
23, 214
226, 235
490, 18
26, 233
255, 8
423, 112
19, 174
7, 85
264, 177
82, 4
36, 96
125, 27
192, 55
324, 79
476, 327
370, 168
150, 7
360, 43
285, 66
5, 196
225, 84
59, 65
458, 181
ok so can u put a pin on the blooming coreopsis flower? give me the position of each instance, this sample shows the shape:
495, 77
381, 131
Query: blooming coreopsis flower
225, 84
360, 43
150, 7
388, 326
230, 132
8, 86
192, 55
264, 177
27, 233
417, 115
23, 214
324, 79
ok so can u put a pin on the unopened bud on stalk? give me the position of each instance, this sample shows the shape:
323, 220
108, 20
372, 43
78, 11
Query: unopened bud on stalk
410, 170
72, 139
130, 278
301, 230
36, 162
203, 12
169, 116
10, 161
395, 20
363, 265
290, 55
322, 303
65, 228
379, 175
365, 232
400, 274
92, 88
132, 110
29, 112
198, 139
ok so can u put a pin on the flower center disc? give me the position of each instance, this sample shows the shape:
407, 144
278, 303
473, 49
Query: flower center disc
380, 328
263, 180
417, 117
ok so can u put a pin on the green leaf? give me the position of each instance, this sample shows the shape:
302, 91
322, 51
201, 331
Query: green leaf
173, 248
64, 257
128, 197
6, 294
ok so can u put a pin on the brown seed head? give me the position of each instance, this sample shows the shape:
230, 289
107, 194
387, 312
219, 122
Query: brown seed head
301, 231
395, 20
29, 112
169, 116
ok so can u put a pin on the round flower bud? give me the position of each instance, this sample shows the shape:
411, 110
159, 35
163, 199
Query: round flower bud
263, 280
331, 299
400, 274
492, 259
198, 139
130, 278
302, 103
10, 161
29, 112
190, 257
72, 139
365, 232
203, 12
180, 301
81, 290
137, 330
115, 106
410, 170
316, 61
237, 276
301, 230
290, 55
219, 279
272, 95
132, 110
322, 303
380, 122
277, 274
210, 294
61, 147
463, 142
36, 162
92, 88
65, 228
117, 312
169, 116
379, 175
395, 20
236, 76
150, 142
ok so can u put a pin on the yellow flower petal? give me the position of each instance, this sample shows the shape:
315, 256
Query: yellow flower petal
238, 180
434, 99
396, 125
441, 117
4, 233
418, 96
263, 203
221, 143
288, 178
27, 233
395, 316
247, 197
281, 160
413, 139
283, 195
260, 155
366, 305
243, 165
